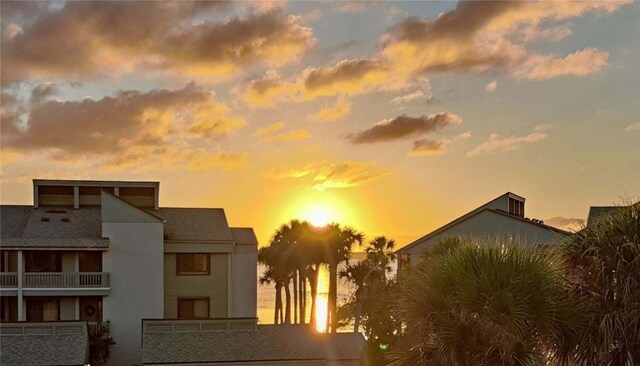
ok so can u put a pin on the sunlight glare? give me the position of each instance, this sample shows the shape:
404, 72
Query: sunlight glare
320, 214
322, 302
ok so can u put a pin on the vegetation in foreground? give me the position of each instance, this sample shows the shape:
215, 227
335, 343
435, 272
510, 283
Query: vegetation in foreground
478, 302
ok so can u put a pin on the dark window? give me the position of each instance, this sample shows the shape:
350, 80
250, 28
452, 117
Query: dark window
137, 191
94, 191
43, 262
194, 308
193, 264
90, 261
43, 310
516, 207
55, 190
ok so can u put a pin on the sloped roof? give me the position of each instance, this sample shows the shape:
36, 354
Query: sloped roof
244, 236
43, 349
474, 213
268, 342
197, 224
23, 226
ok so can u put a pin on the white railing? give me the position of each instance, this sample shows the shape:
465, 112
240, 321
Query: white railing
8, 279
59, 279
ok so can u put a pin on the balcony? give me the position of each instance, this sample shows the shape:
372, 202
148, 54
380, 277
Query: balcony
66, 280
8, 280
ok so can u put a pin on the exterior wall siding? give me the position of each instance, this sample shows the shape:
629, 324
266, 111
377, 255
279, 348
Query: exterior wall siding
489, 225
244, 280
135, 263
214, 286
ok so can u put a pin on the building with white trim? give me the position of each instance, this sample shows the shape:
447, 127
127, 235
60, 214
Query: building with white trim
99, 251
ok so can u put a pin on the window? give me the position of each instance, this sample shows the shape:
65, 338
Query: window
43, 310
43, 262
193, 264
516, 207
196, 308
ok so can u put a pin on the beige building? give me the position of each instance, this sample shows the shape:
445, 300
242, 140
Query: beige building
106, 252
502, 217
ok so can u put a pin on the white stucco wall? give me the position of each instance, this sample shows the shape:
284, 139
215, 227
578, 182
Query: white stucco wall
488, 224
136, 266
244, 280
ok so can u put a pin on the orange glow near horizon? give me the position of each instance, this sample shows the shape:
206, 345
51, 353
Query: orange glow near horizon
322, 302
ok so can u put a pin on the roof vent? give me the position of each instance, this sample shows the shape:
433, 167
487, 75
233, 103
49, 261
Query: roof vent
45, 219
65, 219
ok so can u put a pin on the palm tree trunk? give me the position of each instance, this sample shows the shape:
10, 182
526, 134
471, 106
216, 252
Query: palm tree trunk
295, 296
358, 311
287, 311
313, 283
333, 298
302, 288
278, 313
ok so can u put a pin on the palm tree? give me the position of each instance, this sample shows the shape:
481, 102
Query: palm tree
487, 304
337, 242
369, 273
604, 261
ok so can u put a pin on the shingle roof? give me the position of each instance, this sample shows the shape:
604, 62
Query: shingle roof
268, 342
43, 349
244, 235
206, 224
24, 226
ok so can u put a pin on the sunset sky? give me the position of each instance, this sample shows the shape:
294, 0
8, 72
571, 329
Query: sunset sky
394, 118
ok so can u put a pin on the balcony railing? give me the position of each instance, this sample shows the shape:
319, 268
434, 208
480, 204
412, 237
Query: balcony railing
8, 279
66, 280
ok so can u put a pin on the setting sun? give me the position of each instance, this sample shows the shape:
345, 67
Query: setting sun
321, 213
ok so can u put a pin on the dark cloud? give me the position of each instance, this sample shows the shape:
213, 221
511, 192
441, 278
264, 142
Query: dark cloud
427, 147
42, 92
404, 126
90, 39
345, 71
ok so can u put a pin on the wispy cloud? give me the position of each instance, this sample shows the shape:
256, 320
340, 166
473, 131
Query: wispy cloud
426, 147
403, 127
326, 175
633, 127
499, 143
274, 133
333, 113
491, 87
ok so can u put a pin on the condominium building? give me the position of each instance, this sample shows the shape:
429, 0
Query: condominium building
91, 252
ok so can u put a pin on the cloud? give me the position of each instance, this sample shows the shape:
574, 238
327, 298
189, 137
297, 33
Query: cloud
491, 87
499, 143
129, 125
476, 37
272, 133
325, 175
333, 113
269, 90
85, 40
416, 95
426, 147
633, 127
404, 126
269, 129
580, 63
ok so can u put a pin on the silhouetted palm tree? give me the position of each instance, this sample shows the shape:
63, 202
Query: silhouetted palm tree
487, 304
604, 265
338, 243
